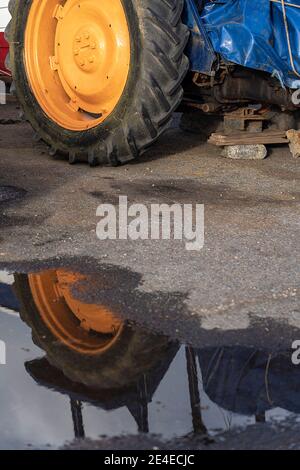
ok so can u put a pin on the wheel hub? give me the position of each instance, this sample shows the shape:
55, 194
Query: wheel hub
77, 56
86, 51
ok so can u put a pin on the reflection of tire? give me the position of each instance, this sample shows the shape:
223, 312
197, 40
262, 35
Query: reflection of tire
153, 85
134, 353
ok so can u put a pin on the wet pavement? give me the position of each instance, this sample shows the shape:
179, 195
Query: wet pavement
222, 319
178, 393
248, 272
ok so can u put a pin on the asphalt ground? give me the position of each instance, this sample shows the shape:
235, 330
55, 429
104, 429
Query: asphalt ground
242, 288
245, 277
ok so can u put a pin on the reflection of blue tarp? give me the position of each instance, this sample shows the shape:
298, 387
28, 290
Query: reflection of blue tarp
252, 33
7, 297
250, 382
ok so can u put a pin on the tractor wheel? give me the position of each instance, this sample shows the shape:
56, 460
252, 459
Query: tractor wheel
88, 343
98, 80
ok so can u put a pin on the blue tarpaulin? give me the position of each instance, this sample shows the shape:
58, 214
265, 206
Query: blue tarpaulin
252, 33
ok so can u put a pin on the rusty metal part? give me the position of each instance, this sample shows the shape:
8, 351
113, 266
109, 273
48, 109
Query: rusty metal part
236, 86
246, 119
247, 86
208, 107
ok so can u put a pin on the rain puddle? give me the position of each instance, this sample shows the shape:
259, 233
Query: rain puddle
89, 373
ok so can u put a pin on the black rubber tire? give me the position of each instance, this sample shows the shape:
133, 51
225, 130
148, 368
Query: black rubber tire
153, 90
136, 352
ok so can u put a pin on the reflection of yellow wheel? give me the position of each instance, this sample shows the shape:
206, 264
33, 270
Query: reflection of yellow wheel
88, 343
86, 328
98, 79
77, 57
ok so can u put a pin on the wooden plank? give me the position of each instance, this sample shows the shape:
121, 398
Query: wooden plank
248, 138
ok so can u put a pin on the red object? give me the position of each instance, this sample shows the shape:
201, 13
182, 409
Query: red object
4, 48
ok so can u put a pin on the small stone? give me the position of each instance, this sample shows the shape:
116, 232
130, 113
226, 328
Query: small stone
294, 142
245, 152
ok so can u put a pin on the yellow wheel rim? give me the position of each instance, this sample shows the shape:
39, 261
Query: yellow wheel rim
77, 57
85, 328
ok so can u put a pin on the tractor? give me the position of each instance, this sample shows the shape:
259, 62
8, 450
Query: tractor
99, 81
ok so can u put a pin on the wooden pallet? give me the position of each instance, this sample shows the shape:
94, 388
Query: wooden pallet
249, 138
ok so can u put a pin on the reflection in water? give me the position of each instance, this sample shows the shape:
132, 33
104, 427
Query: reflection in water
97, 361
136, 398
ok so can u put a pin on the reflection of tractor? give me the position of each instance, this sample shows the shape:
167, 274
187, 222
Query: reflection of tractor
244, 381
100, 80
250, 382
92, 355
83, 340
136, 397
